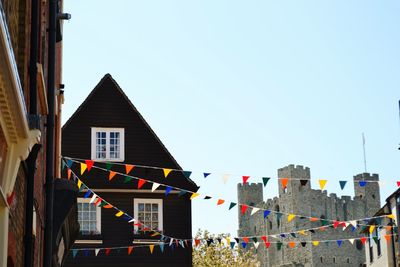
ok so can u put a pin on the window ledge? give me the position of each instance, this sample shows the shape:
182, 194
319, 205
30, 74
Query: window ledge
88, 241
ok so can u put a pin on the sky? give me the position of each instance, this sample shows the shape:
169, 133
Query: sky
247, 87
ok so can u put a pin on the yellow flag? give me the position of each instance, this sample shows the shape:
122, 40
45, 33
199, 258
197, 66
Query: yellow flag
119, 214
302, 232
290, 217
166, 172
151, 247
194, 195
315, 243
322, 184
79, 184
83, 167
390, 216
371, 229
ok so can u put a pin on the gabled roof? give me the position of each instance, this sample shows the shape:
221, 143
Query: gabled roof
108, 78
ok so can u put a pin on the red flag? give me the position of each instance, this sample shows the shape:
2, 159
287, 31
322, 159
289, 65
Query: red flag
89, 164
130, 250
108, 251
98, 201
69, 173
264, 238
245, 178
141, 182
128, 168
246, 239
335, 224
220, 202
244, 208
363, 239
197, 242
267, 244
398, 183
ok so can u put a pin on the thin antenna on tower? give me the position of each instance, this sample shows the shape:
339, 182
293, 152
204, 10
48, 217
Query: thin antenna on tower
365, 158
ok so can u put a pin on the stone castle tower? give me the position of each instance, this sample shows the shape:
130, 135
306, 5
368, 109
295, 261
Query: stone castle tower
302, 200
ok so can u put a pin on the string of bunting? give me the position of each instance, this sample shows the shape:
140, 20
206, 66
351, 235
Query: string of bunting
228, 242
225, 177
243, 207
123, 214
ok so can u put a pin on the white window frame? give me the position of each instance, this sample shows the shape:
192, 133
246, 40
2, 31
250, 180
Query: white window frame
158, 201
121, 132
98, 213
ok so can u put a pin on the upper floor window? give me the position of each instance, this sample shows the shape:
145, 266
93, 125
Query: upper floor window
108, 144
89, 217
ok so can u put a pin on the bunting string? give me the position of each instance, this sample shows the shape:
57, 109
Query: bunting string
105, 204
243, 207
227, 176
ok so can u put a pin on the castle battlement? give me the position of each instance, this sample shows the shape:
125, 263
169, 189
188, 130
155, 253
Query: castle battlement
292, 171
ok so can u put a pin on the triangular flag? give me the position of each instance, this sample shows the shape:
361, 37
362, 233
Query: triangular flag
108, 166
265, 180
130, 249
302, 232
315, 243
207, 197
351, 241
194, 195
196, 242
284, 182
111, 175
108, 206
127, 179
246, 239
254, 211
354, 223
87, 194
313, 219
182, 192
371, 229
291, 217
339, 242
322, 184
244, 244
69, 163
244, 208
363, 240
154, 187
279, 245
128, 168
264, 238
83, 167
303, 244
79, 183
151, 247
206, 174
232, 205
161, 247
225, 178
256, 244
63, 165
96, 251
187, 174
398, 183
74, 252
245, 179
167, 190
266, 213
303, 182
89, 164
390, 216
362, 183
141, 182
278, 216
387, 237
119, 214
292, 244
166, 172
69, 173
220, 202
232, 244
93, 198
342, 184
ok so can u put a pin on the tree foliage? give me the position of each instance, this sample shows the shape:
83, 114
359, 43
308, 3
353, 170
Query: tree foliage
220, 254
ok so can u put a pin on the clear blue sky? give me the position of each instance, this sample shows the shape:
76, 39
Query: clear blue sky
251, 85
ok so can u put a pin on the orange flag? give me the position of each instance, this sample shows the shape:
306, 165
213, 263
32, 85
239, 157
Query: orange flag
112, 174
128, 168
130, 250
387, 237
151, 247
313, 219
108, 206
284, 182
220, 202
69, 173
292, 244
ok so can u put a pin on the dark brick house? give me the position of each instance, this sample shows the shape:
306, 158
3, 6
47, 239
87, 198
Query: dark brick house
108, 128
